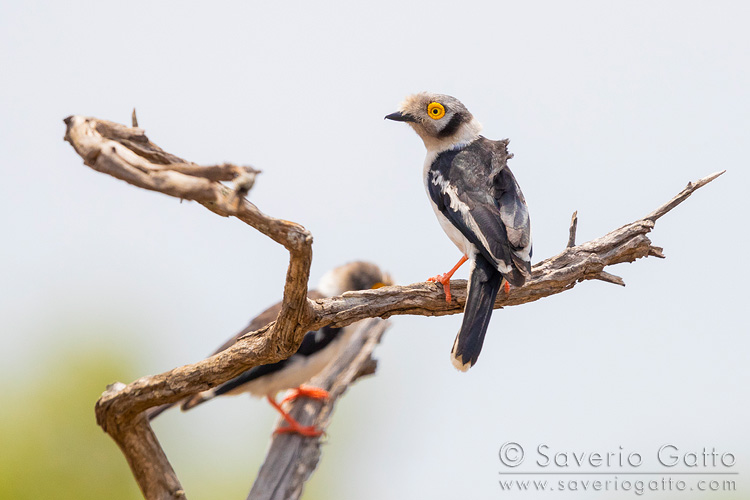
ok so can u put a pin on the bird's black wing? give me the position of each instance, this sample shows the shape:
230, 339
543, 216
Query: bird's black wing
256, 323
513, 213
312, 343
474, 189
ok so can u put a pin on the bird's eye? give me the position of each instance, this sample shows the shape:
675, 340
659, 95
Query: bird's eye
435, 110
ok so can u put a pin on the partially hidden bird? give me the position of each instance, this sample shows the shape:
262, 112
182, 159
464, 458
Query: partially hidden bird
317, 350
479, 205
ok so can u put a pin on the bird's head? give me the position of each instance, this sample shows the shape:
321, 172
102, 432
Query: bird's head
440, 120
357, 275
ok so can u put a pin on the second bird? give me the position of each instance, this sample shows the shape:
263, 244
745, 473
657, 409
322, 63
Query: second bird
478, 204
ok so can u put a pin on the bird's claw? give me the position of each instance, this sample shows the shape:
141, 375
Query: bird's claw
445, 280
307, 392
302, 430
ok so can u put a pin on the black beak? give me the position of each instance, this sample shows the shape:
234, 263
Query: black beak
398, 116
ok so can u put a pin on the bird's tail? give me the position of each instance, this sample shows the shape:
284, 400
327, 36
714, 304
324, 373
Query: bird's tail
484, 283
199, 398
186, 403
154, 412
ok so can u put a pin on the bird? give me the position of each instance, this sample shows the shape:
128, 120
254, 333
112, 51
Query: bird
317, 350
479, 205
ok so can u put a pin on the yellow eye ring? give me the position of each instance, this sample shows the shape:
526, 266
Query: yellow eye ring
435, 110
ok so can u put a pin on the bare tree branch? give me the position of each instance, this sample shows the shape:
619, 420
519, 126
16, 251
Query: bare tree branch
137, 440
127, 154
682, 196
292, 458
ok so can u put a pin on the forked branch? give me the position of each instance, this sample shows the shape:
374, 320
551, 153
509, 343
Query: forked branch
127, 154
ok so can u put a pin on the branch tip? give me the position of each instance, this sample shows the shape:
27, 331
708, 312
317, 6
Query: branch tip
113, 389
610, 278
656, 252
572, 230
682, 196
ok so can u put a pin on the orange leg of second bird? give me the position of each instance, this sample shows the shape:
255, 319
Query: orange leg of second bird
294, 426
445, 279
306, 391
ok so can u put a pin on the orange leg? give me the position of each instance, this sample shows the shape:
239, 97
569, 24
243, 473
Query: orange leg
506, 287
445, 279
306, 391
294, 426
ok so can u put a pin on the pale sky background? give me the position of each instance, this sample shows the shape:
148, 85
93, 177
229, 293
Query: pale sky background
611, 110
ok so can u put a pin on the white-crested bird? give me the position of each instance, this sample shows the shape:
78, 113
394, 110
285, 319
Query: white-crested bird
317, 350
479, 205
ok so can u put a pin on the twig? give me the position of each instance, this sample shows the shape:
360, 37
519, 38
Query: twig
572, 230
682, 196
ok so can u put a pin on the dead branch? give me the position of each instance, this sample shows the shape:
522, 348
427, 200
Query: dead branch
572, 230
292, 458
137, 440
127, 154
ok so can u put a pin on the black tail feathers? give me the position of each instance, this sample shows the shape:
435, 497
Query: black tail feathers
484, 283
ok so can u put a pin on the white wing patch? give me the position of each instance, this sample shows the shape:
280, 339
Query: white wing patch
525, 252
462, 208
319, 336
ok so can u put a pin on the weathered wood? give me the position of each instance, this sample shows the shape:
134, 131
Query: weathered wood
292, 458
127, 154
136, 439
572, 230
682, 196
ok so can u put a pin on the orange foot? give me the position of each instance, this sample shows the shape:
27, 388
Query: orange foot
445, 279
302, 430
306, 391
506, 287
294, 426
